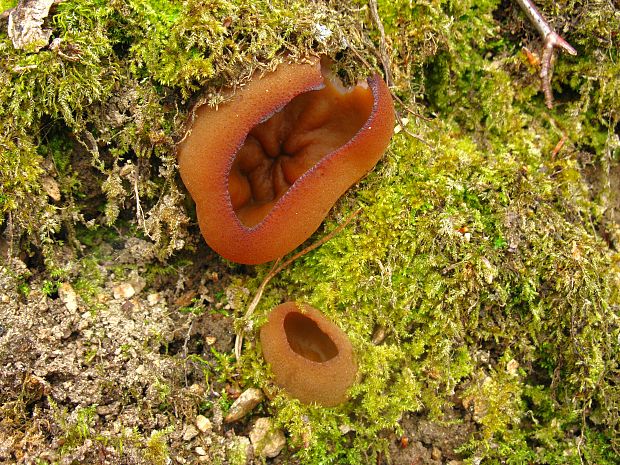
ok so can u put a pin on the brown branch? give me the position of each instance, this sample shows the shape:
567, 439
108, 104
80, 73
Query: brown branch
383, 53
551, 40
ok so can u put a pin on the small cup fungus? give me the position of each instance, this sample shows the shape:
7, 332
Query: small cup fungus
311, 358
265, 168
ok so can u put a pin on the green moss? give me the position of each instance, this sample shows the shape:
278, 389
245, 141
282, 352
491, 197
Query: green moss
482, 247
119, 84
483, 240
76, 427
6, 4
156, 447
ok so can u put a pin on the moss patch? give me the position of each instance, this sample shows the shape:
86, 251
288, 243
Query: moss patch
485, 253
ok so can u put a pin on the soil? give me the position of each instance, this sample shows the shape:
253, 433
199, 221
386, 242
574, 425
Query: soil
137, 353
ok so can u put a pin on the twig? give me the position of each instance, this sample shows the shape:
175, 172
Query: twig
383, 54
403, 126
551, 41
385, 61
409, 109
558, 146
275, 269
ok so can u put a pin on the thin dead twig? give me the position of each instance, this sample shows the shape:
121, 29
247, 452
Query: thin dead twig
383, 49
277, 267
551, 41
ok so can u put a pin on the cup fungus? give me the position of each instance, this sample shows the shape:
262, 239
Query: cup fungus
265, 168
311, 358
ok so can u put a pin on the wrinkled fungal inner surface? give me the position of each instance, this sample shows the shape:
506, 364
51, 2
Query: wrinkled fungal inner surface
306, 338
281, 149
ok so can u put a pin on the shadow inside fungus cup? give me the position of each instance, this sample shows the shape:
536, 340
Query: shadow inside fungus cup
311, 358
278, 151
306, 338
266, 167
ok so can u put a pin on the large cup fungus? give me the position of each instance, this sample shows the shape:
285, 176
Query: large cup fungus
311, 358
265, 168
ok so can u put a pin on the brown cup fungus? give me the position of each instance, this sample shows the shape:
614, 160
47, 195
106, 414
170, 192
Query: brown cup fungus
265, 168
311, 358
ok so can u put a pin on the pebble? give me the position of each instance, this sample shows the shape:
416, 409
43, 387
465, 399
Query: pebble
344, 429
244, 404
108, 409
512, 367
124, 291
84, 322
267, 442
190, 433
203, 423
200, 450
51, 188
153, 299
379, 335
67, 296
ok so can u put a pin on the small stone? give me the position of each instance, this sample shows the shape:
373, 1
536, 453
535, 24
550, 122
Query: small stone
344, 429
196, 390
153, 299
244, 404
200, 451
190, 433
124, 291
51, 188
267, 442
67, 296
137, 281
108, 409
218, 416
210, 340
204, 459
25, 25
512, 366
436, 453
203, 423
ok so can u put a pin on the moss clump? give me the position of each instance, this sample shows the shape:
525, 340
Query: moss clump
481, 255
481, 252
460, 250
118, 87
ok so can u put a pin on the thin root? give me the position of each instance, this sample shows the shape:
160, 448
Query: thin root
277, 267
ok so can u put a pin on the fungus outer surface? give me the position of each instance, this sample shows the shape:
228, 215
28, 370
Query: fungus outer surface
265, 168
311, 358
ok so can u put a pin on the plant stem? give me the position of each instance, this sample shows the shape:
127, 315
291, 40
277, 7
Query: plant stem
551, 40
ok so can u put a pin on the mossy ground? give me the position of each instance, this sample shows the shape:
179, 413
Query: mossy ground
485, 253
